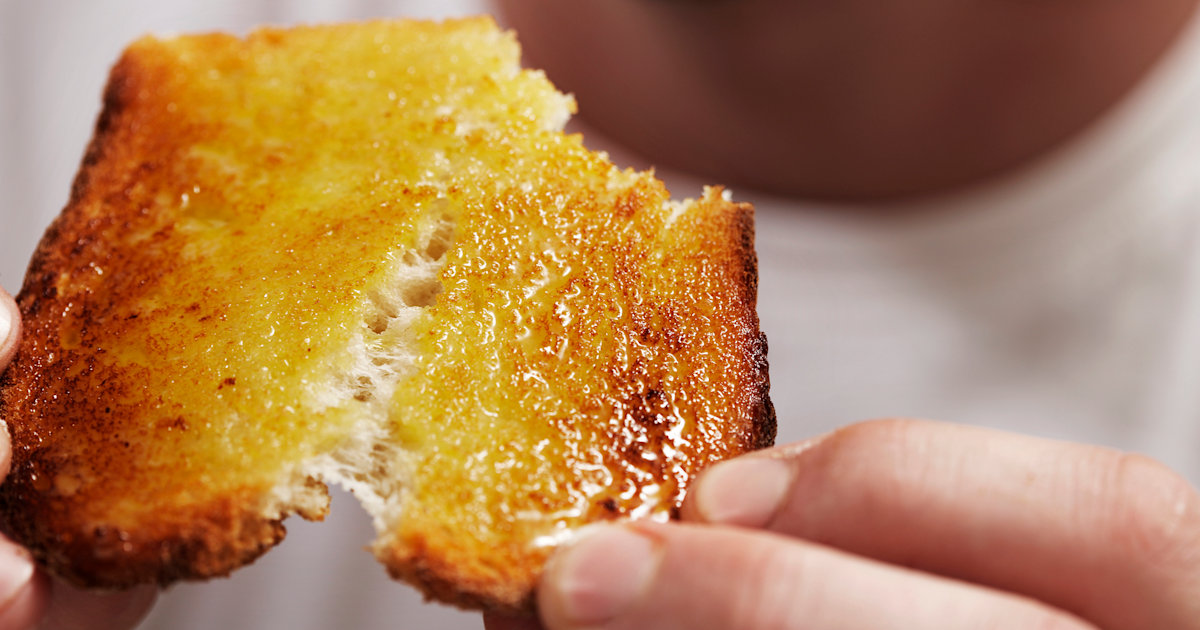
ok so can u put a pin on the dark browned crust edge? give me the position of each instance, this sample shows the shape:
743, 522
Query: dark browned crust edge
464, 585
766, 424
739, 232
205, 541
211, 542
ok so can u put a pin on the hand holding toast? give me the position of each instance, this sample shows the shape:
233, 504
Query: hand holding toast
900, 524
27, 596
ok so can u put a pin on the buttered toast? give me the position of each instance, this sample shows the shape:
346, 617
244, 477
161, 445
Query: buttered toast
367, 255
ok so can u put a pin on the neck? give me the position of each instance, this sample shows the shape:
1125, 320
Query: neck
856, 100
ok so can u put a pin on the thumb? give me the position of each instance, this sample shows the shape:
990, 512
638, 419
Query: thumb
10, 328
10, 333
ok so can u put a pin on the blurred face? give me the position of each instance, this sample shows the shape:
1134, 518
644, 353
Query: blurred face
856, 99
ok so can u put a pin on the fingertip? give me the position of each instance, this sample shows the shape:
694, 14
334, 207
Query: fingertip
10, 327
598, 576
5, 450
72, 608
24, 591
10, 334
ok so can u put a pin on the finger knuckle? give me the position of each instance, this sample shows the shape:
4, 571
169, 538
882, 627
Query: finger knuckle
882, 430
1154, 512
855, 456
871, 441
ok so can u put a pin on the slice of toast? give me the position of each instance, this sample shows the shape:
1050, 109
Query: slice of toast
367, 255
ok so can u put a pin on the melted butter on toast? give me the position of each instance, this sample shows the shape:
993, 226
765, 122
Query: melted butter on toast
367, 255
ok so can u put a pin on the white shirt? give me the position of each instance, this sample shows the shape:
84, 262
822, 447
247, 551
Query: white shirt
1063, 301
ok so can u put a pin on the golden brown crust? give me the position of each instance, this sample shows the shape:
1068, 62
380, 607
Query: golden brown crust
590, 347
49, 390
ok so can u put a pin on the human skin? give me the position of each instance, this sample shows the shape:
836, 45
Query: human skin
899, 524
851, 100
892, 524
28, 596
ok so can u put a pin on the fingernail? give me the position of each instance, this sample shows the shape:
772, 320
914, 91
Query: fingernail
16, 571
745, 492
600, 575
5, 324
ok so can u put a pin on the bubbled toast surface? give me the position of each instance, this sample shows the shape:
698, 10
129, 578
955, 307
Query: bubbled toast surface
366, 254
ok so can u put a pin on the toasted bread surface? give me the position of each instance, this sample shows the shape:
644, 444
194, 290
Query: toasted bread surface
366, 254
